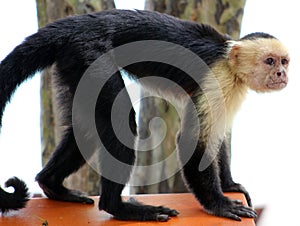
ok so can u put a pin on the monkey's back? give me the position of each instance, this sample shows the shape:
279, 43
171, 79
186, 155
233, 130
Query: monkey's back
109, 29
86, 37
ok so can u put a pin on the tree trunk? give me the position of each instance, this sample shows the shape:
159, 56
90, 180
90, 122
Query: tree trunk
225, 16
49, 10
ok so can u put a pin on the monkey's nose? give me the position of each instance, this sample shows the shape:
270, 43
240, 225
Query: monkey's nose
280, 73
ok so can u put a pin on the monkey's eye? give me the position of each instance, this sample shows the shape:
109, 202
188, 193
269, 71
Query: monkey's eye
284, 61
270, 61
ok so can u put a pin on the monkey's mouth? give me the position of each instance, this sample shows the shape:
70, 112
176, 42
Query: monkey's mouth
277, 84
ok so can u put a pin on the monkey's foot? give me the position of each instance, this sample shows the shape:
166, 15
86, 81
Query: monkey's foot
235, 187
232, 209
134, 210
63, 194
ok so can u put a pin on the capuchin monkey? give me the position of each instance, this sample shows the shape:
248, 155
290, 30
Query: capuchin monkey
257, 61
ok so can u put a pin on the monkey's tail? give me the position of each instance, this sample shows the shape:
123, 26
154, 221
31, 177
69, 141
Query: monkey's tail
16, 200
34, 54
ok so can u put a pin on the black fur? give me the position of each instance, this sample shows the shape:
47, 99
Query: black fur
16, 200
256, 35
76, 42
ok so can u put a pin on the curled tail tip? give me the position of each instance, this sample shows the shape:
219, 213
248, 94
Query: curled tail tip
17, 199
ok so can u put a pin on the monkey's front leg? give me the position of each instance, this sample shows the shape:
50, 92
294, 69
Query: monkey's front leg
206, 186
227, 183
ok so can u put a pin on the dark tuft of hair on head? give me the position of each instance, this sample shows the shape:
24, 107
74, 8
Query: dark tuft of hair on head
257, 35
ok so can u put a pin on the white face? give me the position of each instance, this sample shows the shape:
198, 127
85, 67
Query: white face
262, 64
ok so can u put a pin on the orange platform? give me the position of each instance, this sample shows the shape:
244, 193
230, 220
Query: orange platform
43, 212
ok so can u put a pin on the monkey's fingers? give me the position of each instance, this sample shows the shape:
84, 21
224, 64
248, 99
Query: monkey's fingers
244, 211
239, 188
237, 212
236, 201
233, 210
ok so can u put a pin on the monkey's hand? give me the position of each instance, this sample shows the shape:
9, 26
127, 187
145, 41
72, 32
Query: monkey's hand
232, 209
235, 187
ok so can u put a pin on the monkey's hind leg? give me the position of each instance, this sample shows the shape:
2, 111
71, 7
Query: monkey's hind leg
112, 186
111, 202
117, 159
65, 160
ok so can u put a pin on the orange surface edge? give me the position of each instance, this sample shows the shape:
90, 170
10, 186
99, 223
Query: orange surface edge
56, 213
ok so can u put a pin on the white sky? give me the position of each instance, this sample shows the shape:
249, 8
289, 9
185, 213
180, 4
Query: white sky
265, 137
20, 136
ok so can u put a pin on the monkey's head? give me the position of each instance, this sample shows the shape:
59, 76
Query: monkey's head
260, 61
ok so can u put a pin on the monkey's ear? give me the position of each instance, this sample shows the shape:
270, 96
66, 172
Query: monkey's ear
233, 53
